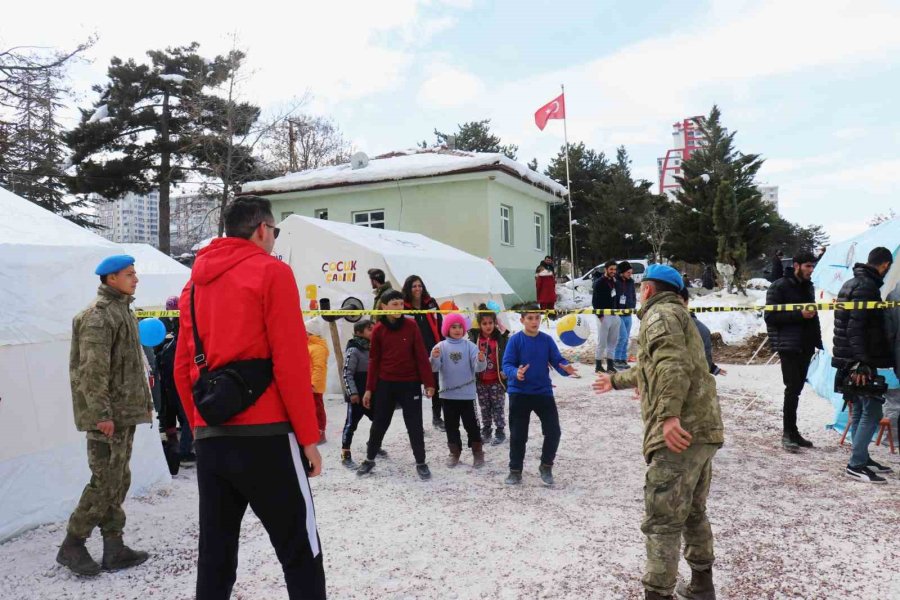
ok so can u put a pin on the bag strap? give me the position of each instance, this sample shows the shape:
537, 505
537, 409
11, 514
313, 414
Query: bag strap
199, 353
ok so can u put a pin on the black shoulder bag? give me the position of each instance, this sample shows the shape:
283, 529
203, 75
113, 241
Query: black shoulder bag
225, 392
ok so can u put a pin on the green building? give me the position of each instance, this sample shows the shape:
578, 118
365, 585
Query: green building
484, 204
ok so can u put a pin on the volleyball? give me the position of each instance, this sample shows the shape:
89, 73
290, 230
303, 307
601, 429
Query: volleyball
573, 330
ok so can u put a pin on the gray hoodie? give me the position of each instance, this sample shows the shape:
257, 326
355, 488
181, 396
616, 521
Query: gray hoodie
458, 364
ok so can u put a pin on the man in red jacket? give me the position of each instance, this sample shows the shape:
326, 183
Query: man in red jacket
247, 306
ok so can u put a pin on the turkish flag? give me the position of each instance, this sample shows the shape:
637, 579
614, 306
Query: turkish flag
555, 109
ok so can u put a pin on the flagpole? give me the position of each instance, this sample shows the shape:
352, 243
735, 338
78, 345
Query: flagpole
569, 193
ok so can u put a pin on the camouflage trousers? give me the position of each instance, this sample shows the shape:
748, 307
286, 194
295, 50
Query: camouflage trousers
102, 498
675, 493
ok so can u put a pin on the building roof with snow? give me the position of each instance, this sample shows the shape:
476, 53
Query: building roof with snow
408, 164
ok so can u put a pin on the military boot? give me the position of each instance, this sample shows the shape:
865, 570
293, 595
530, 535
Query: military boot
700, 588
648, 595
455, 452
73, 554
478, 453
116, 555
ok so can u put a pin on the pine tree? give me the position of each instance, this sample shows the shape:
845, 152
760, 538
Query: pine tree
140, 134
718, 161
732, 247
34, 152
476, 136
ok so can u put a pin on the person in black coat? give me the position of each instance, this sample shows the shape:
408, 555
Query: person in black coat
861, 347
777, 271
794, 335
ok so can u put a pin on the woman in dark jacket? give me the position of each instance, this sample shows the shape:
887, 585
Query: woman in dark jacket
415, 297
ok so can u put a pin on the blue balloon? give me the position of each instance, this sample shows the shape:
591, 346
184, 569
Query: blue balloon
152, 331
492, 305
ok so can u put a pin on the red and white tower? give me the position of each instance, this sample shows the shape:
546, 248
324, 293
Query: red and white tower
686, 139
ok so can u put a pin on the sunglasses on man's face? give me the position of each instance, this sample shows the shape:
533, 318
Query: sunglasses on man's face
274, 229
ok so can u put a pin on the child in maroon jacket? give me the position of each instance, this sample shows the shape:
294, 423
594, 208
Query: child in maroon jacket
398, 368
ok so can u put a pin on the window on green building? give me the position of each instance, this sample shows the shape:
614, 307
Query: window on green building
286, 214
322, 213
369, 218
506, 227
539, 232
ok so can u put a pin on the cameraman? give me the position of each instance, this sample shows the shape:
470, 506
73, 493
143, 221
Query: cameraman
860, 348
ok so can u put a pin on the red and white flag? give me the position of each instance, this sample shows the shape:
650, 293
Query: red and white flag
555, 109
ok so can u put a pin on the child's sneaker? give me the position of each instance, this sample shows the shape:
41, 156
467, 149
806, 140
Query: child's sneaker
514, 478
347, 459
486, 433
499, 438
423, 471
438, 424
381, 453
546, 472
365, 467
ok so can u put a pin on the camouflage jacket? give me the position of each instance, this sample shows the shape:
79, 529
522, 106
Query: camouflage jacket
672, 375
106, 364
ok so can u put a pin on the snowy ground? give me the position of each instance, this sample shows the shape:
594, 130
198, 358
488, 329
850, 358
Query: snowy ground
787, 526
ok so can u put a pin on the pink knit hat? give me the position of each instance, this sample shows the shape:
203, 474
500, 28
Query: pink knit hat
450, 320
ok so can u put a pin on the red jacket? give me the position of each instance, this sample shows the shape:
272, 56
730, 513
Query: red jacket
248, 306
397, 353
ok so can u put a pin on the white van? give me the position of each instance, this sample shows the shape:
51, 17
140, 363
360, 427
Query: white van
586, 281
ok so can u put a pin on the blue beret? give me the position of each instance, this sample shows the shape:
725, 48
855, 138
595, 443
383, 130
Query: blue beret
114, 264
666, 274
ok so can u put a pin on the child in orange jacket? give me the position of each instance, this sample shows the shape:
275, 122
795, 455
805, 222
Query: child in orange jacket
318, 361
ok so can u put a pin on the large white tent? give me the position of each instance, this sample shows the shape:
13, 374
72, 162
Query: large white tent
330, 260
834, 268
46, 277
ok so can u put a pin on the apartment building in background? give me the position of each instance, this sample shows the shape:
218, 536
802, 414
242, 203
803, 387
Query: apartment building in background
132, 219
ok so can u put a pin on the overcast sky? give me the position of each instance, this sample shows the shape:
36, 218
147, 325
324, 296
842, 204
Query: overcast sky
812, 86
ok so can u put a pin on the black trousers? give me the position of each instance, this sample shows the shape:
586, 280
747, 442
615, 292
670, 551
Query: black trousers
456, 410
794, 366
388, 395
269, 474
436, 402
520, 408
355, 413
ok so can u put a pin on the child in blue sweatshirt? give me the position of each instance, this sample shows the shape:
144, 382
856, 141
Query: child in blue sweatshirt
458, 360
526, 363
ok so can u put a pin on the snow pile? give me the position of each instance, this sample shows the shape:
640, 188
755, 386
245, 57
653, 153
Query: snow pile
566, 300
406, 164
173, 78
758, 283
102, 112
735, 327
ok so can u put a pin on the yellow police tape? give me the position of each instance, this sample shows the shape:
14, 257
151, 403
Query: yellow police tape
871, 305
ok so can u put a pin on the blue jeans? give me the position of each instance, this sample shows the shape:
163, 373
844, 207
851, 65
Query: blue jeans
867, 412
624, 333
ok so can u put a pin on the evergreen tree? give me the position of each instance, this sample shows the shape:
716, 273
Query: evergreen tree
476, 136
587, 169
140, 135
717, 161
731, 247
32, 150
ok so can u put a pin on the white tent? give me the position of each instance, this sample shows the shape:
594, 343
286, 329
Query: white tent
159, 276
46, 277
833, 269
330, 260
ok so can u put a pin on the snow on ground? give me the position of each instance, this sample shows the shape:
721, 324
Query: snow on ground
787, 526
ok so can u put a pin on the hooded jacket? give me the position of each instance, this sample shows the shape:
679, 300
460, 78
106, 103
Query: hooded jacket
318, 357
861, 335
248, 306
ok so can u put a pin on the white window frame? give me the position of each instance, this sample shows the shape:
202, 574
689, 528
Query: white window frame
539, 234
506, 219
369, 222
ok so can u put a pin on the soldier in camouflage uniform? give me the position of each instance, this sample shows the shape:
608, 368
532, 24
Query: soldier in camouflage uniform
682, 432
110, 396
